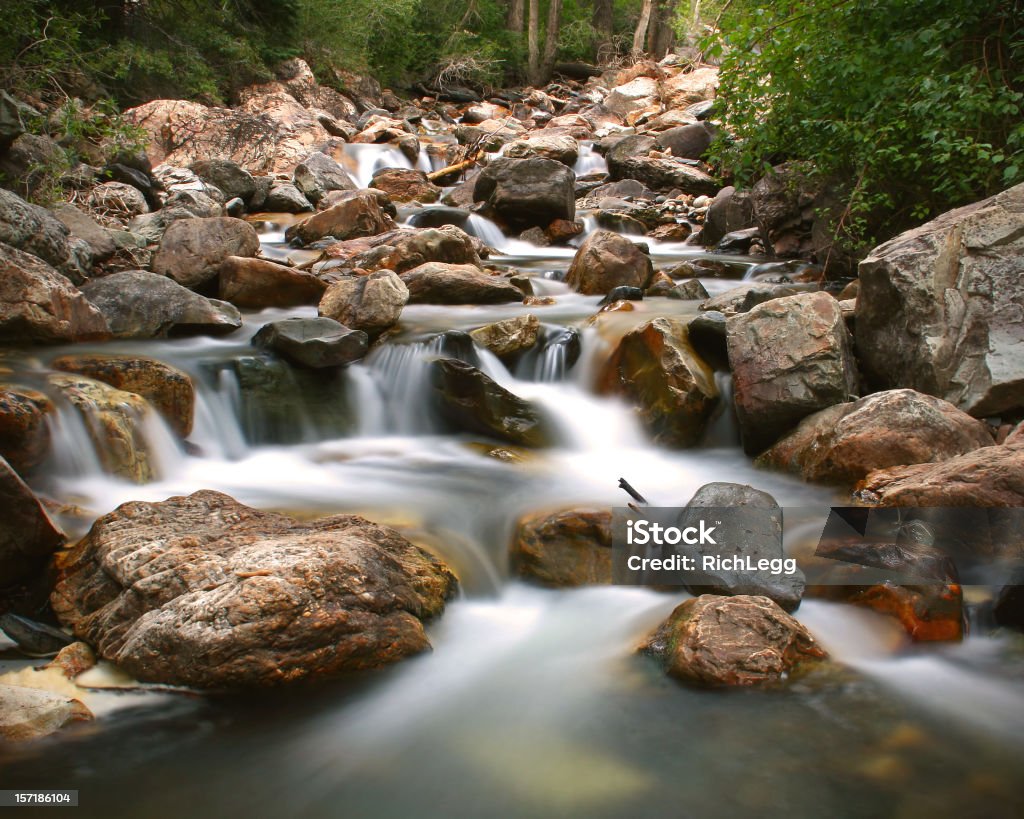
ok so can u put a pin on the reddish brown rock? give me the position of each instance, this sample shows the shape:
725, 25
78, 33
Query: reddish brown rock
405, 185
352, 215
24, 432
607, 260
258, 283
572, 547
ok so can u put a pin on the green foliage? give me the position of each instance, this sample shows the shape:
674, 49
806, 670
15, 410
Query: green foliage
917, 104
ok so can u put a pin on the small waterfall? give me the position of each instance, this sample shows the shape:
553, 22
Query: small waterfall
74, 456
485, 230
216, 431
366, 159
553, 357
723, 429
589, 161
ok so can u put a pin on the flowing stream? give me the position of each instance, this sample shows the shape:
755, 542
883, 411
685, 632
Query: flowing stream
533, 702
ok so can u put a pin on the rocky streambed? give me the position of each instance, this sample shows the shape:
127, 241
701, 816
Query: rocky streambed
326, 489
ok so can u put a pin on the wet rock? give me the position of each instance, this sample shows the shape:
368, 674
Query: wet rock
632, 158
707, 336
370, 303
34, 230
192, 250
24, 429
113, 419
236, 597
569, 548
732, 641
730, 210
939, 308
33, 638
27, 535
472, 402
607, 260
672, 232
743, 298
928, 613
527, 192
117, 199
751, 529
509, 337
74, 659
313, 342
842, 444
405, 185
738, 241
40, 306
622, 293
167, 388
138, 304
80, 224
991, 476
789, 357
318, 175
284, 197
31, 713
440, 283
229, 177
351, 215
673, 390
686, 141
559, 147
1008, 607
258, 283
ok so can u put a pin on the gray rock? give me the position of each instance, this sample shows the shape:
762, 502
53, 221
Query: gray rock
313, 342
318, 174
227, 176
192, 250
118, 199
729, 211
80, 224
35, 230
686, 141
939, 308
631, 159
138, 304
527, 192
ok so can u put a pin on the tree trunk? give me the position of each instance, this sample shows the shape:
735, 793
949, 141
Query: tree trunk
551, 39
640, 35
515, 16
603, 22
533, 44
662, 34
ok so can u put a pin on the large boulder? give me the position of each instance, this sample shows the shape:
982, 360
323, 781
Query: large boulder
137, 304
472, 402
370, 303
571, 547
789, 357
315, 343
80, 224
169, 390
318, 175
939, 308
117, 199
686, 141
607, 260
527, 192
992, 476
40, 306
268, 133
637, 157
24, 427
440, 283
691, 87
114, 420
655, 367
403, 249
35, 230
842, 444
636, 95
732, 641
229, 177
27, 535
259, 283
206, 592
730, 210
354, 214
559, 147
192, 250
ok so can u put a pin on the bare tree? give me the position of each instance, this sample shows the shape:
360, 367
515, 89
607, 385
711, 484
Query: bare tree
539, 69
640, 35
603, 22
662, 34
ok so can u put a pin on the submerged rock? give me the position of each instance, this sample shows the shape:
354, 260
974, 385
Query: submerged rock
607, 260
167, 388
789, 357
472, 402
210, 593
673, 390
32, 713
732, 641
138, 304
572, 547
313, 342
27, 535
842, 444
